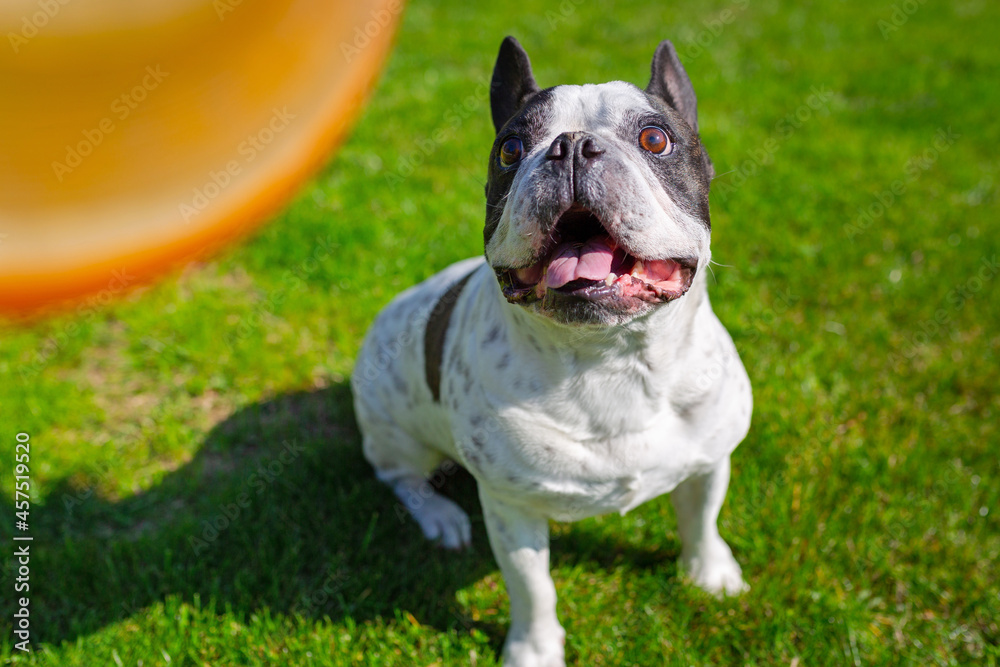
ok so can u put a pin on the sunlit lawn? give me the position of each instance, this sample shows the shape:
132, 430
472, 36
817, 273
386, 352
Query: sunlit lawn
199, 493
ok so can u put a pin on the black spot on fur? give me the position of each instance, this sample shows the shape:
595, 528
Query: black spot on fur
399, 383
437, 327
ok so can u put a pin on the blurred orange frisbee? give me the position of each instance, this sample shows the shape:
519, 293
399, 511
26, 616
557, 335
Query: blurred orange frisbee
135, 136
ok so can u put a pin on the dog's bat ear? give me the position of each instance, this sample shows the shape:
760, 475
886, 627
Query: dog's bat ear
512, 82
670, 83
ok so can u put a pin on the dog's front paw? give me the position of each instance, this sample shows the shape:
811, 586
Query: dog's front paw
536, 650
715, 570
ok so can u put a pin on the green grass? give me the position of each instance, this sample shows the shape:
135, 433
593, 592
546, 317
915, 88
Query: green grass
864, 502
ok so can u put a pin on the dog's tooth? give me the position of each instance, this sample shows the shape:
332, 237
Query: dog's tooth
610, 279
638, 268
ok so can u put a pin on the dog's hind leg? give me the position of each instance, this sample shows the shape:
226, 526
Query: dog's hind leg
705, 556
408, 467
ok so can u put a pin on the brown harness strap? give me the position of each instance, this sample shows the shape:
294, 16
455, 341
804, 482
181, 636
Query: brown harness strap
437, 326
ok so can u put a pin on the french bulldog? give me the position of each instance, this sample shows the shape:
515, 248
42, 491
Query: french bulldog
577, 368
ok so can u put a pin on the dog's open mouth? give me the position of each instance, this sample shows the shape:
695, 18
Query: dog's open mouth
582, 259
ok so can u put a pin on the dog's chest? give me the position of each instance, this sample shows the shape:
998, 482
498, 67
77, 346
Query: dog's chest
569, 473
576, 433
596, 443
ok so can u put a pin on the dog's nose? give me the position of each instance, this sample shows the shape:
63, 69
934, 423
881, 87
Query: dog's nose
584, 145
561, 147
589, 148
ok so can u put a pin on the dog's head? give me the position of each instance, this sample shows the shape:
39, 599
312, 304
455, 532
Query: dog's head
597, 195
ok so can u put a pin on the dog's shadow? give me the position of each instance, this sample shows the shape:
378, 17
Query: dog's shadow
278, 510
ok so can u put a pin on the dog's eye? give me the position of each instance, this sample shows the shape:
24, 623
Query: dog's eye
655, 140
510, 151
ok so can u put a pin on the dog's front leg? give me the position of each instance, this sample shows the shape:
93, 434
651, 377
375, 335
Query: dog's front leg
520, 542
705, 556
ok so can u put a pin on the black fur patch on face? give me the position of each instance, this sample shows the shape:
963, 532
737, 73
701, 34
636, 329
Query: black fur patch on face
529, 126
686, 173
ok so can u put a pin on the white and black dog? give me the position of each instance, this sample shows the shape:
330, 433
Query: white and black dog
578, 369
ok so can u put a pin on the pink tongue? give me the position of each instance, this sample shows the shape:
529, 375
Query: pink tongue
572, 262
